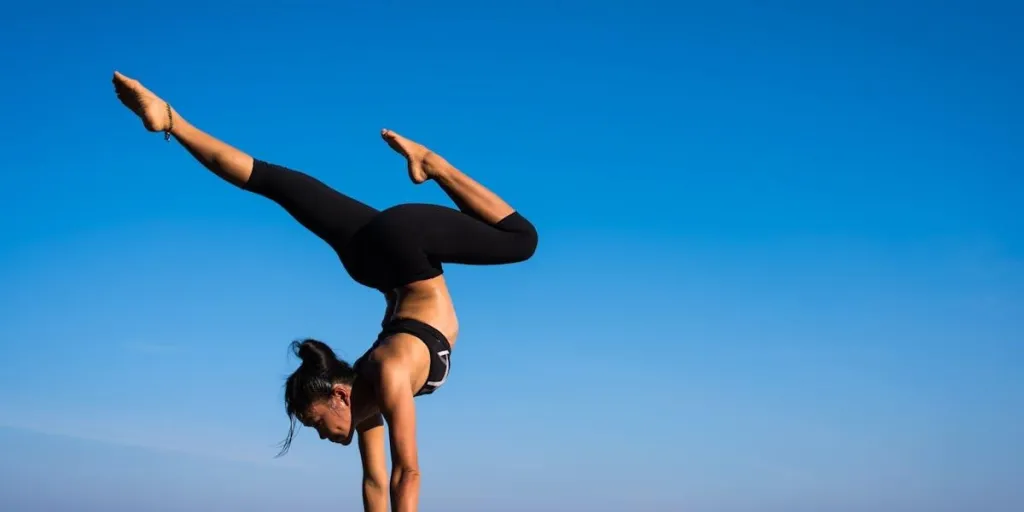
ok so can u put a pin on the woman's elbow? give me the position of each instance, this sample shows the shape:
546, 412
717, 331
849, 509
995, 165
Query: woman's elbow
375, 483
404, 481
404, 474
375, 495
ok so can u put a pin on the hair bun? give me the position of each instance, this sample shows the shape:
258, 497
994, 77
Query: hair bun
314, 353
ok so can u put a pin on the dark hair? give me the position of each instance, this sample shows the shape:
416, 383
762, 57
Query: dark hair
312, 381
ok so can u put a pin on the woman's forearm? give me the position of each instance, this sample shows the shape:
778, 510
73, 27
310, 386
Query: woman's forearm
405, 490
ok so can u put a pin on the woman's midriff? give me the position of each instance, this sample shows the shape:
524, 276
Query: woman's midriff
429, 302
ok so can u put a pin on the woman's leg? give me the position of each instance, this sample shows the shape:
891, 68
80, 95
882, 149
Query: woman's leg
332, 216
486, 231
157, 116
471, 197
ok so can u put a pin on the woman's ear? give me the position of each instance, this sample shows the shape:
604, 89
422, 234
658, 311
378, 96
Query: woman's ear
343, 394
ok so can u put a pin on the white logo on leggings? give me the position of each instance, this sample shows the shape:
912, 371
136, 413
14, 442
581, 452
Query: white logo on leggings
444, 355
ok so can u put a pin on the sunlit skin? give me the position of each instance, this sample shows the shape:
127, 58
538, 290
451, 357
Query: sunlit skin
384, 390
384, 393
400, 364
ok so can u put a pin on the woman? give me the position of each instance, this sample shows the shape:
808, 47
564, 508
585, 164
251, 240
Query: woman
399, 251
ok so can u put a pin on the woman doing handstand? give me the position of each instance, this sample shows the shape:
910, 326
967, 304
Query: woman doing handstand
398, 251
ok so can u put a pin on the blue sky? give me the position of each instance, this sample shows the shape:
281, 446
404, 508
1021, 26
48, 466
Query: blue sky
781, 264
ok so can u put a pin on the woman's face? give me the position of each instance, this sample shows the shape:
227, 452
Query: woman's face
332, 420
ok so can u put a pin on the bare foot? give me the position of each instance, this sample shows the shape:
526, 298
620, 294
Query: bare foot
424, 164
148, 106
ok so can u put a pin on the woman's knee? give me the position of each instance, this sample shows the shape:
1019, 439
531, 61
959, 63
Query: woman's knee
526, 238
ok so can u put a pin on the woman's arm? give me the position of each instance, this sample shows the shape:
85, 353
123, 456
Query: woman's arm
398, 408
375, 469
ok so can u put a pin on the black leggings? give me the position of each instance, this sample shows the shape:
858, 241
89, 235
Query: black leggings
399, 245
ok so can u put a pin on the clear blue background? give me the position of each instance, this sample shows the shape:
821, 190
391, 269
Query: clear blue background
781, 264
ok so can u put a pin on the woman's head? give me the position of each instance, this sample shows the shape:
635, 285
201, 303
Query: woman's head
319, 393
